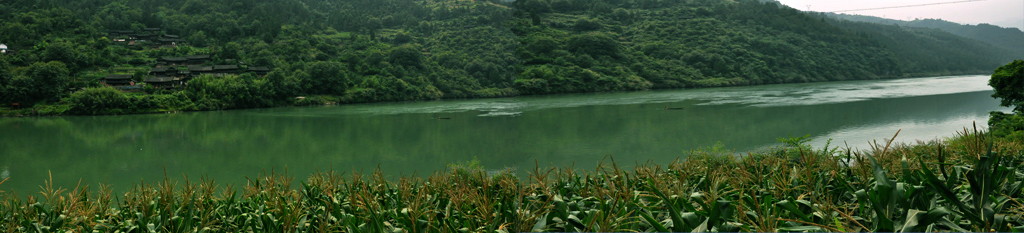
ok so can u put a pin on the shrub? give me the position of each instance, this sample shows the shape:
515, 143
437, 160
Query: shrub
98, 100
1006, 125
228, 92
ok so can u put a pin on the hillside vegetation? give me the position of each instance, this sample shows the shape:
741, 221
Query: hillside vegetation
345, 51
1006, 38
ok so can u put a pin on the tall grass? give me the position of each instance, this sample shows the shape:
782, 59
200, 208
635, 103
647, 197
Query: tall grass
968, 183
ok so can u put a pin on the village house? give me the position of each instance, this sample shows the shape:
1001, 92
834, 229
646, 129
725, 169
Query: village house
142, 36
221, 70
166, 76
172, 60
119, 33
198, 59
200, 70
117, 80
130, 38
164, 71
259, 70
168, 42
162, 81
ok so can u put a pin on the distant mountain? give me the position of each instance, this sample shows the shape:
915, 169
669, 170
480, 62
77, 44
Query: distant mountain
1019, 23
1006, 38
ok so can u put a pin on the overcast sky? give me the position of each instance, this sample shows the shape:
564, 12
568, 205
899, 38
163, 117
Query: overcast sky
1005, 13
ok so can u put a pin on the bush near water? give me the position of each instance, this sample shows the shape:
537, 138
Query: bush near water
1008, 83
348, 51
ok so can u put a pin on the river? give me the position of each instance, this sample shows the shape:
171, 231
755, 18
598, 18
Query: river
409, 138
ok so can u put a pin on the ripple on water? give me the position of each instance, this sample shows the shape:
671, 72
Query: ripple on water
756, 96
500, 114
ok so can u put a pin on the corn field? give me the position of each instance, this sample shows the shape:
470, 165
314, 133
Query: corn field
967, 183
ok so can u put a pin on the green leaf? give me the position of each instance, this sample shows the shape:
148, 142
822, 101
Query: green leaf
703, 227
720, 213
541, 224
907, 174
792, 208
677, 221
882, 197
654, 223
943, 191
839, 225
576, 222
561, 209
800, 229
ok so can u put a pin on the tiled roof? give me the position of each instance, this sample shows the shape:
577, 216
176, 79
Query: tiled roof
159, 79
118, 76
225, 67
200, 68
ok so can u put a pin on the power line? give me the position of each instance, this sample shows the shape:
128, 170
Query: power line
907, 6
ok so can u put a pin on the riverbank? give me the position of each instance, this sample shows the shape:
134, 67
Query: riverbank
109, 101
918, 187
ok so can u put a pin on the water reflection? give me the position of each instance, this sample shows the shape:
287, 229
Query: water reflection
758, 96
407, 138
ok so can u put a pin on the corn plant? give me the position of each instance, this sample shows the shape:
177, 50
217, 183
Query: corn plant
968, 183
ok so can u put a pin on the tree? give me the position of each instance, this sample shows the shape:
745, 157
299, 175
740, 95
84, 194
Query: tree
229, 51
372, 25
5, 78
594, 44
118, 16
327, 78
1008, 82
407, 55
51, 78
64, 52
5, 72
42, 81
199, 39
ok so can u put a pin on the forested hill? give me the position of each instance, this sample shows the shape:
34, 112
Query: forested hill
1006, 38
715, 43
386, 50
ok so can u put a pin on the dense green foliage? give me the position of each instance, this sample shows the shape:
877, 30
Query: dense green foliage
1008, 83
368, 50
106, 100
1006, 38
915, 49
968, 183
1007, 125
718, 43
39, 82
687, 44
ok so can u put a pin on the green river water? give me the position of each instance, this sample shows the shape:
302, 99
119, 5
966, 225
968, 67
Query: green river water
409, 139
